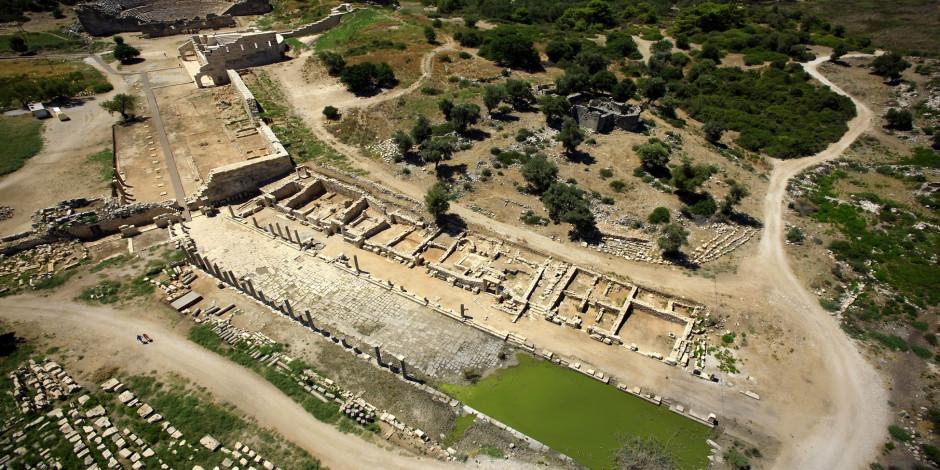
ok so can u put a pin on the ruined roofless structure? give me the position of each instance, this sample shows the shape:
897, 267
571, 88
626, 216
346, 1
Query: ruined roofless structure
604, 114
156, 18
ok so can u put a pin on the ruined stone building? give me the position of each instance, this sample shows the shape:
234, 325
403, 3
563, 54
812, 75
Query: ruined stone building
156, 18
604, 114
217, 53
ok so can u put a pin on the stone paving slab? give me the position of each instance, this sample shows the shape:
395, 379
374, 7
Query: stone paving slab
436, 345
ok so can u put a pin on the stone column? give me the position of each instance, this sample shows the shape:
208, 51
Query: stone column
278, 227
288, 309
231, 211
255, 222
297, 236
462, 311
402, 367
356, 263
287, 229
378, 355
310, 322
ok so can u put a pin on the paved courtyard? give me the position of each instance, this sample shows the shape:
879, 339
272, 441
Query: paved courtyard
431, 342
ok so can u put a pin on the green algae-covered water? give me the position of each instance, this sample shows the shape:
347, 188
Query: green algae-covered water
579, 416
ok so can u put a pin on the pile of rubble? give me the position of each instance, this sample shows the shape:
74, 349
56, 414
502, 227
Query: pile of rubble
727, 239
6, 212
386, 150
30, 267
37, 385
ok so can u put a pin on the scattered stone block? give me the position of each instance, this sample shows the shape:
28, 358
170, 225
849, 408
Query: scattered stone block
210, 443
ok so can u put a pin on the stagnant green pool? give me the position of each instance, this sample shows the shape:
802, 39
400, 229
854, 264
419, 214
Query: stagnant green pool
579, 416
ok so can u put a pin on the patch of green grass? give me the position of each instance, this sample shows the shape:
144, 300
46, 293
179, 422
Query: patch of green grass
350, 28
105, 292
461, 425
42, 41
296, 44
103, 161
893, 342
579, 416
22, 138
492, 451
110, 262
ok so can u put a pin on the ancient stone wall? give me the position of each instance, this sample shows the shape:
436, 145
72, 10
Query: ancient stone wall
245, 96
243, 177
217, 54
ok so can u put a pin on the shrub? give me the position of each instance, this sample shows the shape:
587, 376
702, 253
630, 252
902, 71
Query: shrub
368, 77
901, 120
898, 433
660, 215
892, 342
539, 173
673, 238
464, 55
331, 113
606, 173
618, 186
921, 351
795, 235
334, 62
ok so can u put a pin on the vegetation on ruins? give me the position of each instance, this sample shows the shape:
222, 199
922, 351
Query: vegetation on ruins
437, 200
122, 103
673, 238
660, 215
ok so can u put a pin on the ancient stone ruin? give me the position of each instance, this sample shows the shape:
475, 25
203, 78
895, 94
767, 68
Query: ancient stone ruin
604, 114
156, 18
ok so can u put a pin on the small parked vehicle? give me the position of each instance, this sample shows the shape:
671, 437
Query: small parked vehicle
147, 338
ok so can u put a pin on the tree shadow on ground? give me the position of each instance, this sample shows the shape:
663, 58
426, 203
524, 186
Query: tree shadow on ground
448, 172
681, 259
452, 224
581, 157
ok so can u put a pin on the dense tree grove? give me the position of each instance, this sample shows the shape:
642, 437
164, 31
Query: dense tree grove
776, 110
23, 89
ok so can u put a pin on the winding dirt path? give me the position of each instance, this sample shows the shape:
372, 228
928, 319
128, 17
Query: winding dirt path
849, 436
111, 333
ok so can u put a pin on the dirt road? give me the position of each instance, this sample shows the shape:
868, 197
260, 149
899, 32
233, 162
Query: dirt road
111, 333
849, 436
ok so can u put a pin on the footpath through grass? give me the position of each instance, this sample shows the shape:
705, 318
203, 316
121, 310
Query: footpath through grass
581, 417
22, 139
